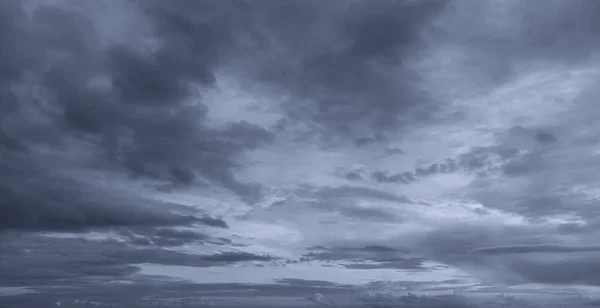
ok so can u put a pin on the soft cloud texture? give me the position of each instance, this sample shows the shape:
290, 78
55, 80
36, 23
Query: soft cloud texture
354, 149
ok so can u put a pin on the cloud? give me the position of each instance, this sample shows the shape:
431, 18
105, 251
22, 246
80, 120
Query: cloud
214, 221
35, 200
355, 72
304, 282
396, 134
235, 257
502, 37
359, 191
127, 109
164, 237
517, 152
372, 214
367, 257
408, 264
576, 270
544, 248
346, 201
42, 260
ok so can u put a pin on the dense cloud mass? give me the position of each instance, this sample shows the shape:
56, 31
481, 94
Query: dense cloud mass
261, 152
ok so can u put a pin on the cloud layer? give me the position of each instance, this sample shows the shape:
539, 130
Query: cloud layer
303, 146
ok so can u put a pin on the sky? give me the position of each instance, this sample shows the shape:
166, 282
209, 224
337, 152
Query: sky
289, 153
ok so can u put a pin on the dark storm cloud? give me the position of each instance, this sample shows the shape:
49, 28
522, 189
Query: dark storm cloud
137, 110
351, 61
34, 199
37, 260
353, 68
131, 110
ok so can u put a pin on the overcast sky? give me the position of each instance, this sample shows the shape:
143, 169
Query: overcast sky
235, 149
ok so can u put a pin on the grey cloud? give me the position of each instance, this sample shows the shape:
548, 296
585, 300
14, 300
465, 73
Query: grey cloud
353, 176
164, 236
540, 163
481, 161
11, 144
499, 38
132, 108
359, 191
408, 264
573, 270
384, 177
372, 253
476, 161
523, 164
366, 141
412, 300
36, 260
230, 257
150, 291
370, 214
304, 282
543, 248
366, 257
34, 200
546, 138
394, 151
511, 255
454, 243
167, 257
361, 142
214, 221
73, 103
41, 261
411, 285
354, 71
138, 111
343, 200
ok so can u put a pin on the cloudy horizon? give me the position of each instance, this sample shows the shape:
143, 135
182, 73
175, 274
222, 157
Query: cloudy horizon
263, 149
